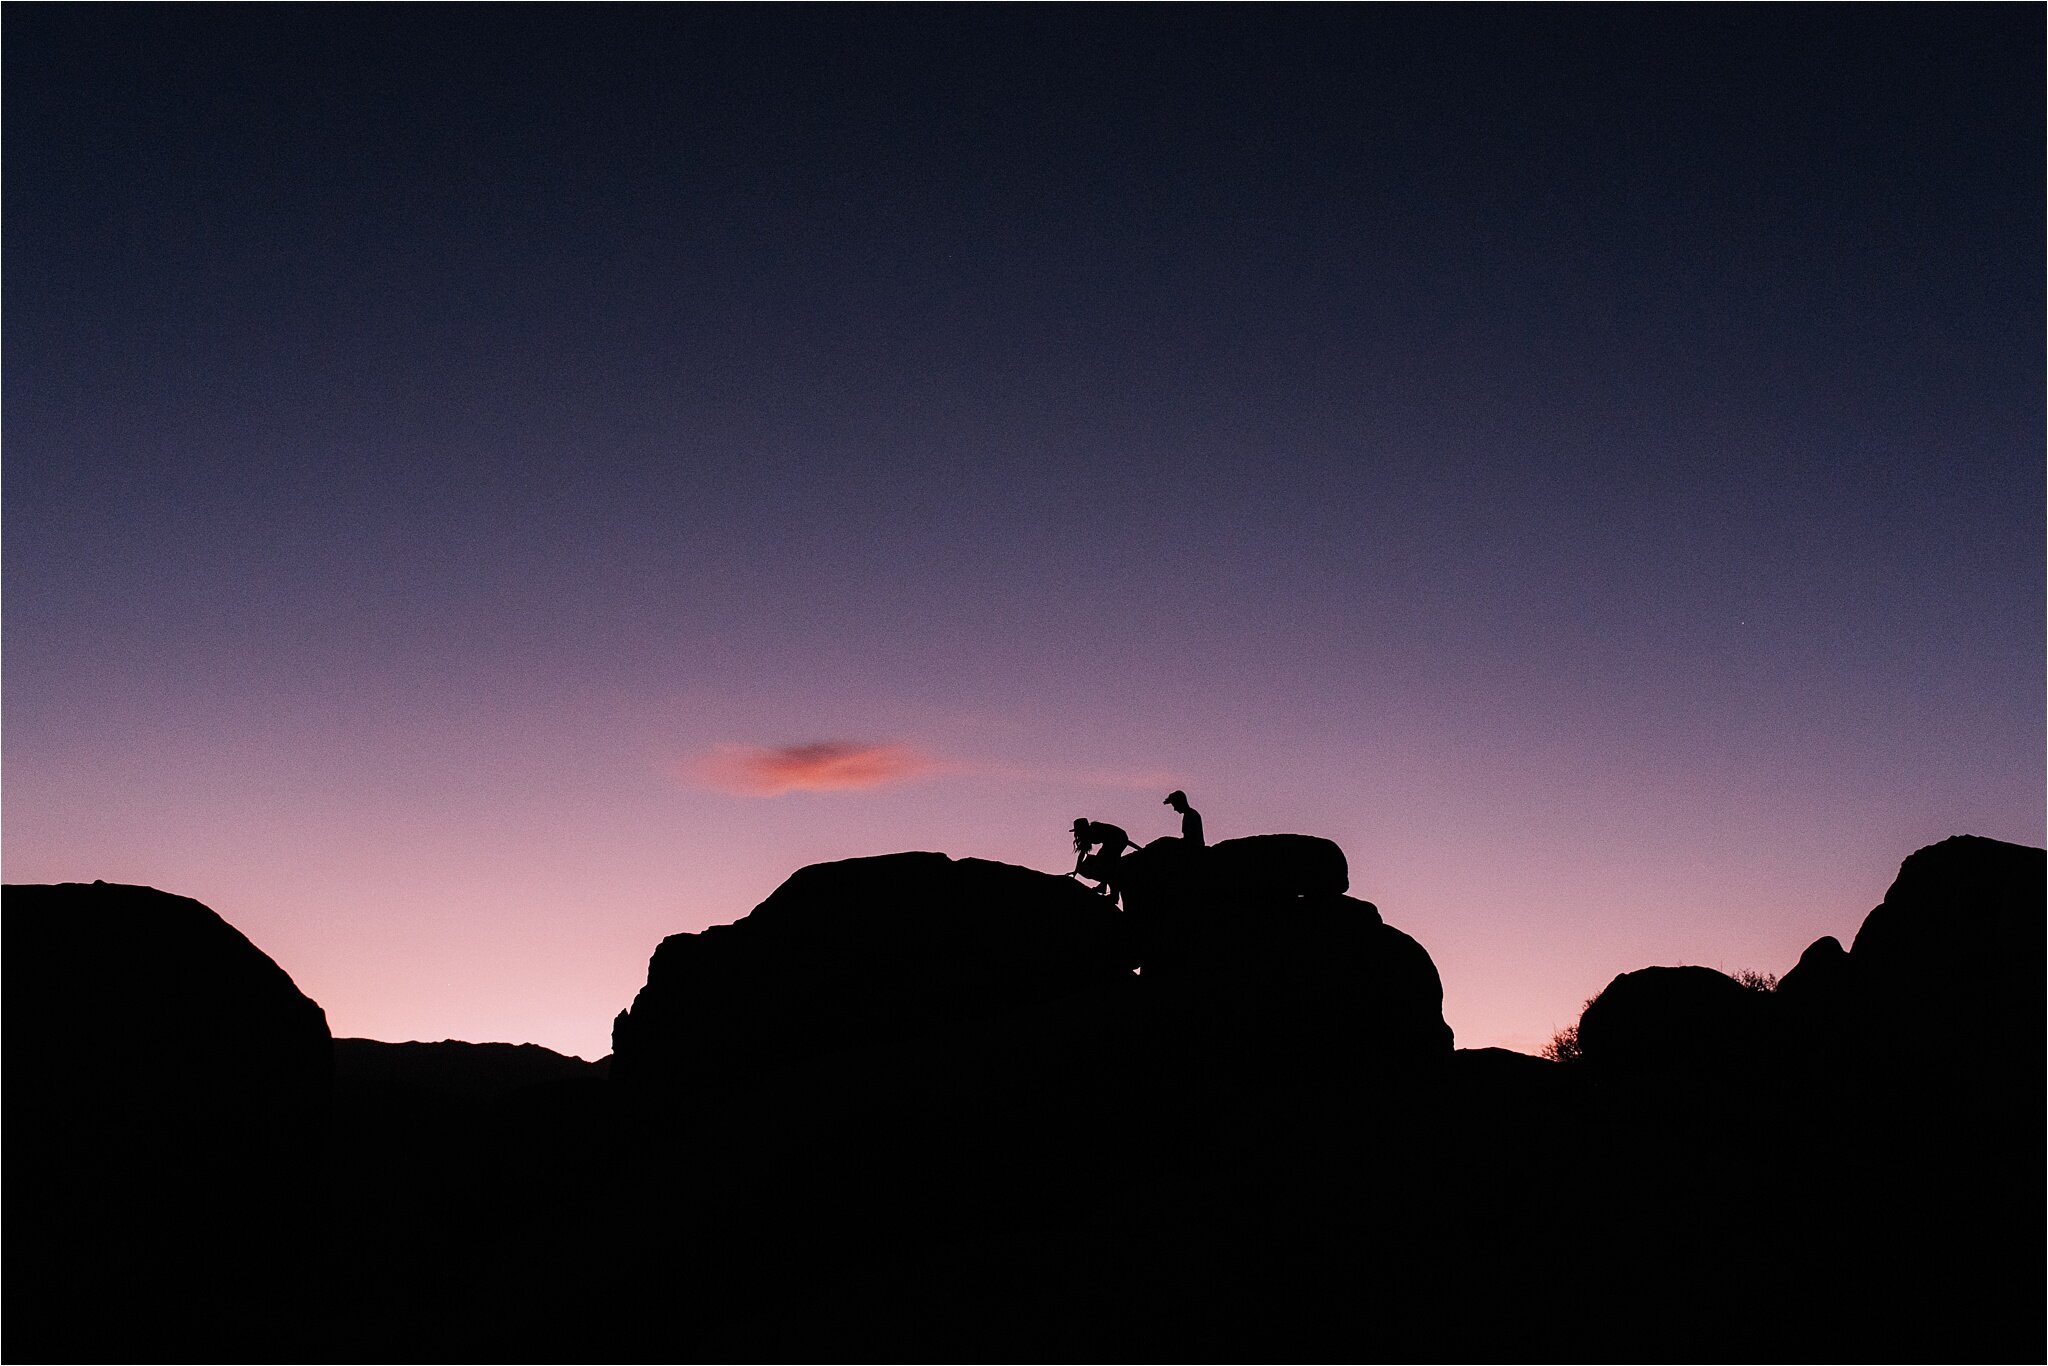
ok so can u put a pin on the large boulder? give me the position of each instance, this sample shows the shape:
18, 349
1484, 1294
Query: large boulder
1950, 963
868, 951
119, 996
1678, 1023
1258, 935
1925, 1064
168, 1088
1943, 987
1172, 873
1280, 865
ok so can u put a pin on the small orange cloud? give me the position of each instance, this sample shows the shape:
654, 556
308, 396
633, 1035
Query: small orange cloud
826, 766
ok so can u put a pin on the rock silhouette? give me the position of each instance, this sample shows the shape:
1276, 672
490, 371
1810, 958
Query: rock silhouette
861, 952
453, 1070
915, 1106
1943, 982
1690, 1022
466, 1182
1255, 940
1946, 964
1279, 866
1909, 1068
169, 1088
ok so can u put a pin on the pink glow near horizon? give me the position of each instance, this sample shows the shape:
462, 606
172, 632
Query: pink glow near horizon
525, 916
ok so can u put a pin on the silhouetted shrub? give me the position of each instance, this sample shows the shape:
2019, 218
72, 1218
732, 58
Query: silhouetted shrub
1756, 981
1564, 1045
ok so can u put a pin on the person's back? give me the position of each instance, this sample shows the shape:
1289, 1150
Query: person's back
1100, 866
1190, 819
1111, 837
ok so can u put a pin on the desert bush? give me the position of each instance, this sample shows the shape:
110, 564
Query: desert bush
1756, 981
1564, 1045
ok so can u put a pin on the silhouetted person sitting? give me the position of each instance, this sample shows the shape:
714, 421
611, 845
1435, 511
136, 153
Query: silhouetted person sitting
1190, 819
1099, 866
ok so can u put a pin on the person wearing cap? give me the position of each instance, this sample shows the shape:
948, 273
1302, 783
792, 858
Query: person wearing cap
1102, 866
1190, 819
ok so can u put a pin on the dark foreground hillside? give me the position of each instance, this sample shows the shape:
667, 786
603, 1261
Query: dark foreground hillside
915, 1107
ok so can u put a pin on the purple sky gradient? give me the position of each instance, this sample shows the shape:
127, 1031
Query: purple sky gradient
1588, 462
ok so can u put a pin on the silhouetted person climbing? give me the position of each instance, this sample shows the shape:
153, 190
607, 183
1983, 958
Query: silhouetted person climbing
1190, 819
1100, 866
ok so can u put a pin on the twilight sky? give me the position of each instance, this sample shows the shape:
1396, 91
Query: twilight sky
488, 487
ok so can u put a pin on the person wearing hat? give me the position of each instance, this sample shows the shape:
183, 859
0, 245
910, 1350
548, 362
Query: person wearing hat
1190, 819
1102, 866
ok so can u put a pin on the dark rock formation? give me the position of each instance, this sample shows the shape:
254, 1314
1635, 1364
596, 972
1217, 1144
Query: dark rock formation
119, 993
1967, 901
1689, 1022
1258, 932
1171, 874
470, 1183
1943, 989
919, 1060
1819, 1015
169, 1089
856, 953
1319, 981
451, 1070
1884, 1103
1819, 974
1249, 944
1950, 965
1929, 1097
912, 1107
1279, 865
